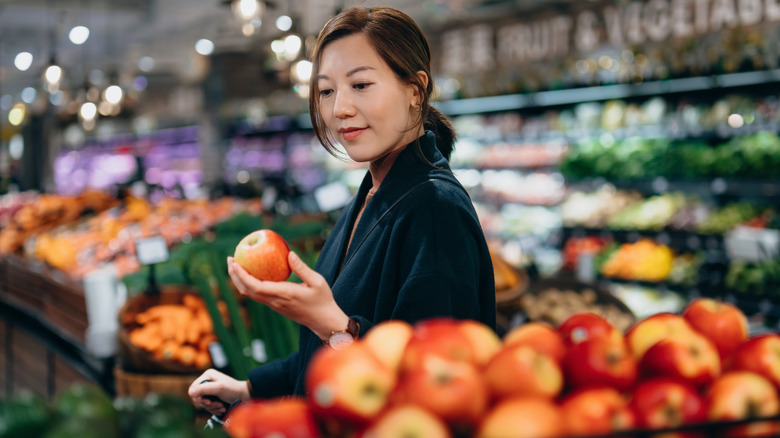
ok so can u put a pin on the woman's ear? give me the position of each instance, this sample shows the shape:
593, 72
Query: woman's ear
416, 91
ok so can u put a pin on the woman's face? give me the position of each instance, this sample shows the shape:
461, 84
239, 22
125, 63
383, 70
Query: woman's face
363, 104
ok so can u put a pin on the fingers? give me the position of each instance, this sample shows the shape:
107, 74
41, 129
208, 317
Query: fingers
262, 291
216, 408
303, 271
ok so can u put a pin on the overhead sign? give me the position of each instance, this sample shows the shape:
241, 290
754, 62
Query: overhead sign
482, 47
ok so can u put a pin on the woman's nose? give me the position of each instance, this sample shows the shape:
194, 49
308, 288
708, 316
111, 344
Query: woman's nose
343, 106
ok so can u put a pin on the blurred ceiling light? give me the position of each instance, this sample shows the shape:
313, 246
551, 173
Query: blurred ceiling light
140, 83
204, 47
284, 23
88, 111
28, 95
16, 146
302, 71
105, 108
113, 94
278, 46
16, 115
248, 29
146, 63
53, 74
23, 61
247, 9
292, 45
79, 35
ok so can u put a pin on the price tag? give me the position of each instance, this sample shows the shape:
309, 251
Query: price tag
258, 350
218, 356
752, 244
332, 196
151, 250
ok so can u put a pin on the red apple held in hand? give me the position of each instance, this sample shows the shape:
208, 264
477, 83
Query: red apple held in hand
263, 254
597, 411
519, 370
388, 341
759, 354
439, 337
693, 359
741, 395
290, 417
600, 362
350, 385
523, 417
581, 327
407, 421
452, 390
725, 325
645, 333
484, 342
540, 336
660, 403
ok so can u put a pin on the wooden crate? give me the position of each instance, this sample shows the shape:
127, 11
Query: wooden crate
29, 364
140, 384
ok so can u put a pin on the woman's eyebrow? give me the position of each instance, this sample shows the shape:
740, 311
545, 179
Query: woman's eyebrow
351, 72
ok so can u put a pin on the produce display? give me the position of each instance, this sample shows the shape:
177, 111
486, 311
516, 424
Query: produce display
174, 332
555, 305
698, 369
75, 235
644, 260
749, 157
621, 210
86, 411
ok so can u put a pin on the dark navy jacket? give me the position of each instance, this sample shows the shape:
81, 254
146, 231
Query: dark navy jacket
418, 252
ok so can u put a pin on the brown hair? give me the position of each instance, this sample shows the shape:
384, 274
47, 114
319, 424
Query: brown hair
401, 44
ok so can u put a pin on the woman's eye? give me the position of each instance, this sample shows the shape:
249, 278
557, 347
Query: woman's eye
361, 85
325, 93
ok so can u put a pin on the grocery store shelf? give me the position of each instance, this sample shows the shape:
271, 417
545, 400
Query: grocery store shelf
678, 239
58, 342
717, 187
751, 304
605, 92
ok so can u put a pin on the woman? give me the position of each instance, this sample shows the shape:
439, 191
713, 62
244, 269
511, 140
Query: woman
409, 246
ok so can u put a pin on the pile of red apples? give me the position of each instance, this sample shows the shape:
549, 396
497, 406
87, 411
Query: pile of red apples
450, 378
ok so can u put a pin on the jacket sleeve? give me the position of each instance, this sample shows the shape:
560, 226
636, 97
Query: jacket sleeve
276, 378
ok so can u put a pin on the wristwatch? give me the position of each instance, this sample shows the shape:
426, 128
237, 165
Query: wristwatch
342, 338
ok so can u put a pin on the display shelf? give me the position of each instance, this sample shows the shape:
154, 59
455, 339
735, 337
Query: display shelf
717, 187
544, 99
677, 239
57, 341
751, 304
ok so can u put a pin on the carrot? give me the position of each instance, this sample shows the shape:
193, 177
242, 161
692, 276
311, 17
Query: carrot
202, 360
185, 355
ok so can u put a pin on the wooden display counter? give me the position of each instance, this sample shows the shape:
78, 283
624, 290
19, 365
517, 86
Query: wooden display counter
43, 322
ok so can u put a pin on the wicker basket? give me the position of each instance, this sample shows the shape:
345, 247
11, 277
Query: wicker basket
140, 384
134, 359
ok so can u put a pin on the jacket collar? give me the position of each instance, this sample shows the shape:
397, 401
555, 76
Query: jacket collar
409, 170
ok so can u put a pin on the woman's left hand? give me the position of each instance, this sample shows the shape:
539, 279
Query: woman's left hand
310, 303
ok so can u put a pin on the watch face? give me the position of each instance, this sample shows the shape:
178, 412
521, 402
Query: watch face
339, 340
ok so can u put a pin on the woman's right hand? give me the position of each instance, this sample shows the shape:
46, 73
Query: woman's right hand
217, 384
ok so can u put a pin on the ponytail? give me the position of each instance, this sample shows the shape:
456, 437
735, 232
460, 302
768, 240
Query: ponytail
443, 131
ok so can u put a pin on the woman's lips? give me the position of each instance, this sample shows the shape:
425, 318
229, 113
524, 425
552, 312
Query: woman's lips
352, 134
